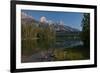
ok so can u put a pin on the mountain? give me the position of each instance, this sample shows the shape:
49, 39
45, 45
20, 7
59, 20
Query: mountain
70, 28
27, 19
65, 28
26, 16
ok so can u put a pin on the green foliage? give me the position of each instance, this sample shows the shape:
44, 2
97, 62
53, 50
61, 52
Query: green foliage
85, 35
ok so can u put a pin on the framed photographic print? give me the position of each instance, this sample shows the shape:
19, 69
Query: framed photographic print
52, 36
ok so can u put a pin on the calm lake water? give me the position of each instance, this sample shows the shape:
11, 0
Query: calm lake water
70, 43
44, 44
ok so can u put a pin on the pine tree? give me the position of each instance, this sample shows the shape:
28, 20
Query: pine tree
85, 35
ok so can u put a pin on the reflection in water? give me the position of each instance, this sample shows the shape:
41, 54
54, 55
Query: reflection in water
31, 46
67, 44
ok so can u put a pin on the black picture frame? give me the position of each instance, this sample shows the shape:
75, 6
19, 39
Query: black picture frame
13, 36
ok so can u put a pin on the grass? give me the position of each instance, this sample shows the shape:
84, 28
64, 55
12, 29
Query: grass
74, 53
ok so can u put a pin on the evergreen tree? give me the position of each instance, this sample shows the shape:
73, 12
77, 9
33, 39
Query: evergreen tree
85, 35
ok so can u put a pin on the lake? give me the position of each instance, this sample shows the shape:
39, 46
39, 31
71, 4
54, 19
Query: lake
68, 43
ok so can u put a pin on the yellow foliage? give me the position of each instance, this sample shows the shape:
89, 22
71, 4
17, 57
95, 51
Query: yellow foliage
74, 55
67, 55
59, 54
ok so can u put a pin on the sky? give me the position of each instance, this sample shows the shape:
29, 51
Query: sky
72, 19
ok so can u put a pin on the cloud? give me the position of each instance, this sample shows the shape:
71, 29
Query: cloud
43, 19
